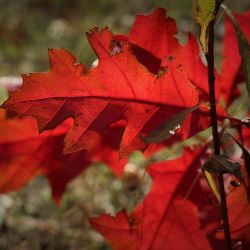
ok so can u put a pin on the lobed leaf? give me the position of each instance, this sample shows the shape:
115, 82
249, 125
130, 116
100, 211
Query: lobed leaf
167, 213
26, 154
119, 88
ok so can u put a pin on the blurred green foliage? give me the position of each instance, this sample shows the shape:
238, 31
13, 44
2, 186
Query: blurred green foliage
3, 94
29, 27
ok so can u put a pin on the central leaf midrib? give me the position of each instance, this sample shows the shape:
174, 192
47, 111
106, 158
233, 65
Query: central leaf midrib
125, 99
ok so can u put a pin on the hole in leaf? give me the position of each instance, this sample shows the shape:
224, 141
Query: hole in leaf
149, 61
115, 48
179, 67
162, 71
235, 184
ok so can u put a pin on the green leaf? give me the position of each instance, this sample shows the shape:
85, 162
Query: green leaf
3, 95
244, 47
205, 13
212, 185
168, 128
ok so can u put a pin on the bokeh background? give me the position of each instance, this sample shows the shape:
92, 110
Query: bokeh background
29, 218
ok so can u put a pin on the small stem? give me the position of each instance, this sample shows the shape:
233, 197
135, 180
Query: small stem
216, 141
211, 81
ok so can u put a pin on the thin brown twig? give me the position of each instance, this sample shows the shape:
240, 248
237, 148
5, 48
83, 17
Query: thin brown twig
216, 141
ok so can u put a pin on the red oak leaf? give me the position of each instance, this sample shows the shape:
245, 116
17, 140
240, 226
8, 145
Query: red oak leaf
119, 88
124, 235
231, 65
25, 154
164, 216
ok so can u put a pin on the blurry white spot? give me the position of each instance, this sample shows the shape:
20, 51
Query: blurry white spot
209, 151
95, 63
6, 201
76, 63
131, 168
238, 245
58, 28
11, 82
173, 131
116, 50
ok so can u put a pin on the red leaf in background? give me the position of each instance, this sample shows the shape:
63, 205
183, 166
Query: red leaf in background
25, 154
246, 136
155, 34
185, 233
231, 65
239, 213
165, 214
159, 40
2, 114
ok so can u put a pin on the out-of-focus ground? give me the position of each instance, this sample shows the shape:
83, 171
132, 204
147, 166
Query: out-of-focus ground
29, 219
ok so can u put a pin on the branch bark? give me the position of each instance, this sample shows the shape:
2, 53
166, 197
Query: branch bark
216, 141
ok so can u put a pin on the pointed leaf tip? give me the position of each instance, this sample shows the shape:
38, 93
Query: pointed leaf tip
205, 13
